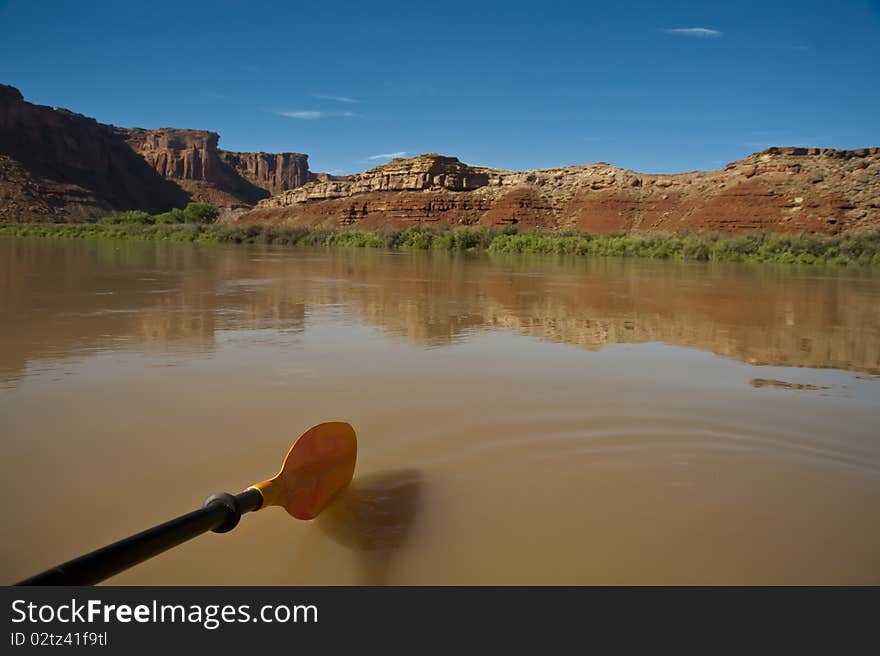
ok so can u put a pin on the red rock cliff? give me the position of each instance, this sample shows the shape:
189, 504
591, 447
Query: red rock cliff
57, 165
780, 189
275, 172
192, 159
61, 166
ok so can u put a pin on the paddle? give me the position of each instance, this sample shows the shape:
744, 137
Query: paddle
319, 464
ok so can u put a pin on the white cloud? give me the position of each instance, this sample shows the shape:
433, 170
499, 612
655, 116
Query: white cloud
312, 114
306, 114
399, 153
344, 99
699, 32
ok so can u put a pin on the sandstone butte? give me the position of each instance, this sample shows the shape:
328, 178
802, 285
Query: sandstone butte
779, 189
59, 166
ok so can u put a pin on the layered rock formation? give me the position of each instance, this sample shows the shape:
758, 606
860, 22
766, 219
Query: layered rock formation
56, 165
61, 166
780, 189
192, 159
274, 172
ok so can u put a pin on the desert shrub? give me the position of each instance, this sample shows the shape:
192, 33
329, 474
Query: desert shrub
862, 249
200, 213
415, 238
172, 216
127, 218
695, 248
354, 239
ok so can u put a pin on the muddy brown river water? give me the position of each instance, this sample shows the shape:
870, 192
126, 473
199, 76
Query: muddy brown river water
520, 421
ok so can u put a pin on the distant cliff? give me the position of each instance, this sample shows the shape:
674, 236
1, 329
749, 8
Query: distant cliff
56, 165
192, 159
274, 172
819, 190
61, 166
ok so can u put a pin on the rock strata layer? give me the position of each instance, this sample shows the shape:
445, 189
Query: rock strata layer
56, 165
274, 172
793, 190
192, 159
61, 166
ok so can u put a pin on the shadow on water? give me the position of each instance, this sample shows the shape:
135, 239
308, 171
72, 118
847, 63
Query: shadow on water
373, 517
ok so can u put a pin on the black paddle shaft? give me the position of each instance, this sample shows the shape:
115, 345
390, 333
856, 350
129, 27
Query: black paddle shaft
220, 513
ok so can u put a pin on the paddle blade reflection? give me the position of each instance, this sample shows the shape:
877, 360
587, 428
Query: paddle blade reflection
373, 517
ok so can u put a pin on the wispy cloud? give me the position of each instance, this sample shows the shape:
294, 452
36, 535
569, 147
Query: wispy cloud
399, 153
309, 114
698, 32
312, 114
343, 99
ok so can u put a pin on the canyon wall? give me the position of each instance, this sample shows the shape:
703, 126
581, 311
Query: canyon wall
56, 165
192, 159
61, 166
274, 172
789, 190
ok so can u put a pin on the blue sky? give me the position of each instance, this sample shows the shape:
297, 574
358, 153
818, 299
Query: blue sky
652, 86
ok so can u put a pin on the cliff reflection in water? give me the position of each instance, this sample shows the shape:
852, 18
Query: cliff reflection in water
69, 298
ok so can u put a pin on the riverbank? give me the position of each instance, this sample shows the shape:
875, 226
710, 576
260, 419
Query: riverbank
841, 250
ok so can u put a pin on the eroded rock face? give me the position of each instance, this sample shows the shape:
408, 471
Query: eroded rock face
274, 172
192, 159
429, 172
178, 154
62, 166
780, 189
21, 198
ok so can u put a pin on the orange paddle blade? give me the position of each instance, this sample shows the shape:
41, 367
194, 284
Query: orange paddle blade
319, 464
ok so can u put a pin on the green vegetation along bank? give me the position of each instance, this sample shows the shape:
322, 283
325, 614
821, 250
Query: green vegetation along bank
848, 249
